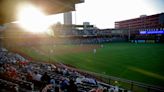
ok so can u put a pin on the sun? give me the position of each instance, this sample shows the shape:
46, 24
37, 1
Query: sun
32, 19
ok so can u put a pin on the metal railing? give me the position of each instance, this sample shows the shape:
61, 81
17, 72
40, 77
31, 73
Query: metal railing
134, 86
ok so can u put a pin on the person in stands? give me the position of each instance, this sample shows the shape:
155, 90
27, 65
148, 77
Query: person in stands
72, 87
37, 76
45, 78
29, 76
64, 84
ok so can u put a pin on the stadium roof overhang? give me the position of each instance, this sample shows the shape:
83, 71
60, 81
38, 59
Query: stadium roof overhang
8, 7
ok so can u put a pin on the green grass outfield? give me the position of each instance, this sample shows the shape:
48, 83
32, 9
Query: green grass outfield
138, 62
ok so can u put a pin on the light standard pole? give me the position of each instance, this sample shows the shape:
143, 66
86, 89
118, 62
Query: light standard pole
129, 33
51, 43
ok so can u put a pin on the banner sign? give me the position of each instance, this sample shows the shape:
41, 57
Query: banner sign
152, 32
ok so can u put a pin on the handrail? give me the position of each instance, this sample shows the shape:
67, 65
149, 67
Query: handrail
139, 84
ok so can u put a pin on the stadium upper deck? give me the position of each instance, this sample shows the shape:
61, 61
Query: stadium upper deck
8, 8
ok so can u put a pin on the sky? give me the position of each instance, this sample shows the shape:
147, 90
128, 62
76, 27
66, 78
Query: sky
103, 13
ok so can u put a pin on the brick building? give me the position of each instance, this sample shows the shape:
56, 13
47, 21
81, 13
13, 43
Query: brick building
144, 23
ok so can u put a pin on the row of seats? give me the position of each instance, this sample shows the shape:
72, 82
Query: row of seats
58, 73
7, 86
23, 84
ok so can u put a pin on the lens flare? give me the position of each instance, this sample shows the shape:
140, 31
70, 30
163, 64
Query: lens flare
32, 19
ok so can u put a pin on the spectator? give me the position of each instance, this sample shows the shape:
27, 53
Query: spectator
37, 76
78, 80
99, 90
29, 76
111, 90
64, 84
13, 73
47, 87
65, 71
72, 87
116, 89
45, 78
53, 67
2, 70
7, 73
74, 74
52, 81
57, 86
93, 90
105, 90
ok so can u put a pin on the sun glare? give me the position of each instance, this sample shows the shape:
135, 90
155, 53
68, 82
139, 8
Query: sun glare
32, 19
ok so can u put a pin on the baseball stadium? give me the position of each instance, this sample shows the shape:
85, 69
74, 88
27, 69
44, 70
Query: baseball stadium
79, 58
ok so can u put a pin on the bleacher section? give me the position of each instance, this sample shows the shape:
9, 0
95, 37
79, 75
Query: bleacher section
23, 75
